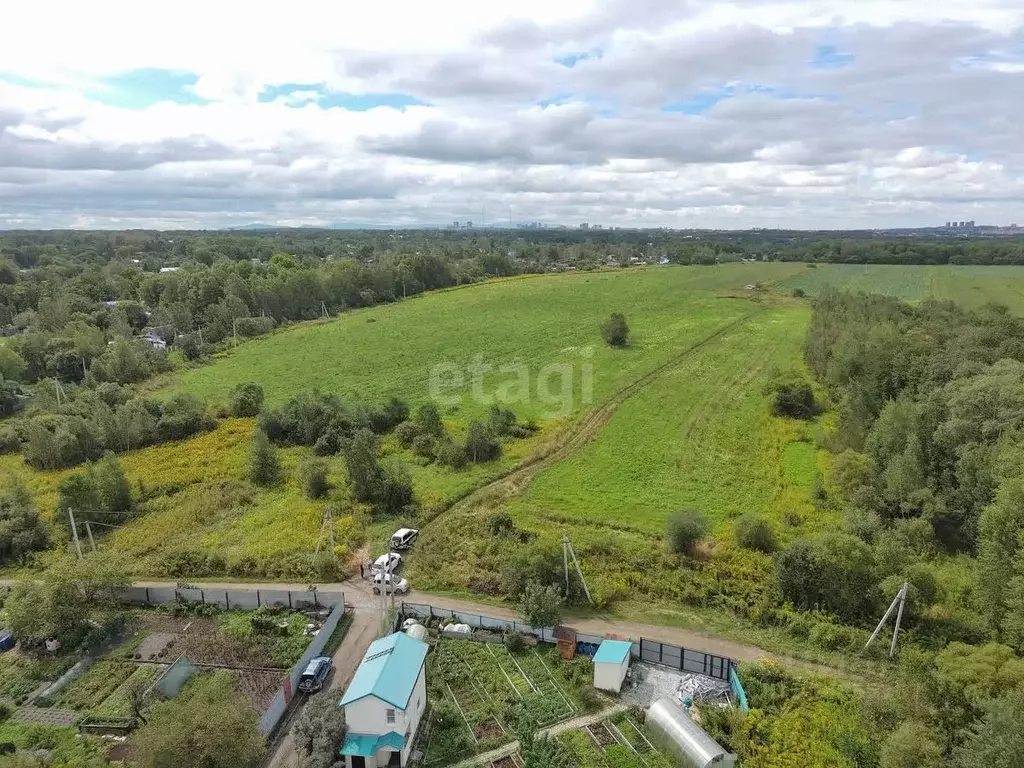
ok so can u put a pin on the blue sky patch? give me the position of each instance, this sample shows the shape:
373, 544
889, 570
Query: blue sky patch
354, 102
570, 60
140, 88
830, 57
701, 102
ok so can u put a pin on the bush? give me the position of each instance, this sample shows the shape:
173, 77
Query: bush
428, 418
500, 524
540, 606
451, 454
182, 416
590, 698
9, 441
425, 446
615, 331
834, 572
480, 444
406, 432
313, 475
912, 745
246, 399
833, 637
514, 642
684, 529
264, 466
756, 533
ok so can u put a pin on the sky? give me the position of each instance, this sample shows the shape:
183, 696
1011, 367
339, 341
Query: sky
634, 113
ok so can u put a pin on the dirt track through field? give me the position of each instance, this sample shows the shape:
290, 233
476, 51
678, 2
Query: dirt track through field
517, 479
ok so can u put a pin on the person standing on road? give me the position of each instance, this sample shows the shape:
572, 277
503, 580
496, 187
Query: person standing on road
362, 574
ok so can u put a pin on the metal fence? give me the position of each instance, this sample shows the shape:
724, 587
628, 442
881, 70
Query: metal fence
651, 651
279, 706
239, 598
685, 659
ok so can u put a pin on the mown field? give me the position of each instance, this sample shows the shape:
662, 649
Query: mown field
390, 350
699, 435
970, 286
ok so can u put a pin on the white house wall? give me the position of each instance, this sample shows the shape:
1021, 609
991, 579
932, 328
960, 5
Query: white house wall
417, 703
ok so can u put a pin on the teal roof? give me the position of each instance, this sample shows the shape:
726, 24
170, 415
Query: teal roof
388, 670
367, 744
612, 651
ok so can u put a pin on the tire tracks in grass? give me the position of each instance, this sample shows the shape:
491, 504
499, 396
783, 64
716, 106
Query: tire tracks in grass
516, 479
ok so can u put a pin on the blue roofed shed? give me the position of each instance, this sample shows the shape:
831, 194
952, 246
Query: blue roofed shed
611, 663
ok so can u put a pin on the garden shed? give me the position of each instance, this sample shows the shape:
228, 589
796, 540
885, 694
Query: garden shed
611, 663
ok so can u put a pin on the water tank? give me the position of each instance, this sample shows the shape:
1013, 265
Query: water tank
678, 735
418, 631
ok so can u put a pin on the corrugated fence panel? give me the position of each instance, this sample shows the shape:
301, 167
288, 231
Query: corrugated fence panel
277, 708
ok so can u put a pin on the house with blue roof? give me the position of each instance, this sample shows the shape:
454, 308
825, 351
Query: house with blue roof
384, 703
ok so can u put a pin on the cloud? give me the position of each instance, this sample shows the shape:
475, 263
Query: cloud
627, 112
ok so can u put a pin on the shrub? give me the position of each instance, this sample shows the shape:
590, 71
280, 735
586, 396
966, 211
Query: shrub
590, 698
833, 637
313, 475
246, 399
500, 524
425, 446
834, 572
684, 529
9, 441
514, 642
912, 745
540, 606
756, 533
450, 454
182, 416
792, 395
615, 331
428, 418
264, 466
480, 444
406, 432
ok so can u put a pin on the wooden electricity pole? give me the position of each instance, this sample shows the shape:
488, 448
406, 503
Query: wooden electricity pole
899, 600
567, 552
74, 533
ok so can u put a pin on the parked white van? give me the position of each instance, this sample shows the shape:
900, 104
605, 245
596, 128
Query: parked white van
403, 538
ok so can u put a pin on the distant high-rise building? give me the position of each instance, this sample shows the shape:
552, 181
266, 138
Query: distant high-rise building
970, 224
584, 225
469, 225
949, 223
456, 225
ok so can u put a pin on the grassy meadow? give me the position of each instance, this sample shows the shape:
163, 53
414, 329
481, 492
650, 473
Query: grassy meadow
970, 286
698, 434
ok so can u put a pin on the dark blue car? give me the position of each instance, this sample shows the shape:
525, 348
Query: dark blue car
312, 679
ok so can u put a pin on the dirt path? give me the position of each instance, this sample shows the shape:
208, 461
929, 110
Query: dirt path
360, 634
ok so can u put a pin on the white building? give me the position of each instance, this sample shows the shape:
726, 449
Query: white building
611, 663
156, 342
384, 703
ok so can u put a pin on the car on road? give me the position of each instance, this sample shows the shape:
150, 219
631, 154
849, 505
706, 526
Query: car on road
390, 562
390, 584
313, 677
403, 538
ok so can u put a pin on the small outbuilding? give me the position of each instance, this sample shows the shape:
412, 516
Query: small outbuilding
611, 663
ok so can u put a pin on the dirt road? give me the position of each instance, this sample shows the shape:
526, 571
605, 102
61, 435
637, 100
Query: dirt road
361, 632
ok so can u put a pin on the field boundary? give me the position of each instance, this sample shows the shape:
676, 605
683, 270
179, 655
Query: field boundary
583, 431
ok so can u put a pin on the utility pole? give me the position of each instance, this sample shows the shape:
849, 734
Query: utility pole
899, 600
74, 533
88, 530
568, 550
234, 330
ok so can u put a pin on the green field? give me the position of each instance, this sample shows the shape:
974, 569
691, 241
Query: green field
370, 354
698, 436
971, 286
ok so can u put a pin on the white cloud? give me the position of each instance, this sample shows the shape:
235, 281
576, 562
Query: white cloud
917, 123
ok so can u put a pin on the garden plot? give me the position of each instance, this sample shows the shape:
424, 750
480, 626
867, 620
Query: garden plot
489, 688
616, 743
